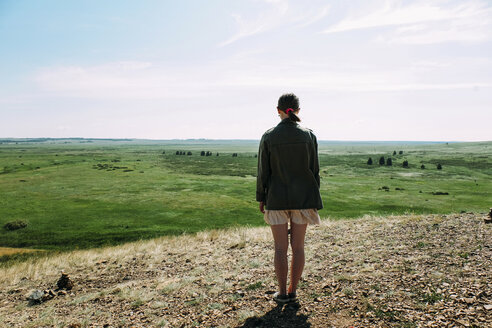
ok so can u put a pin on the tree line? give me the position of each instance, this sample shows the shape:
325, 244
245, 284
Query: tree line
389, 161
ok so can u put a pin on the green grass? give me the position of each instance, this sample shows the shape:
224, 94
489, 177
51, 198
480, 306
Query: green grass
84, 195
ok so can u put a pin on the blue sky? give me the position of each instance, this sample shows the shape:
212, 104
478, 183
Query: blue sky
363, 70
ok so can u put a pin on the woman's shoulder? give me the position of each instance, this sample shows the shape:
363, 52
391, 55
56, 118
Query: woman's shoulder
267, 133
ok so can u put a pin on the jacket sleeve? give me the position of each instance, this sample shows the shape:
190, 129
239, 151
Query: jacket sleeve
263, 171
316, 160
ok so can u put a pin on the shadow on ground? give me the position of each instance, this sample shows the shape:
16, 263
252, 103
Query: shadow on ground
284, 316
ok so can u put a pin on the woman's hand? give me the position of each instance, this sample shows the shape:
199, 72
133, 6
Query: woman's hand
262, 207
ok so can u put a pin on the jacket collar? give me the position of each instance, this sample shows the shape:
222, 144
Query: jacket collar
287, 121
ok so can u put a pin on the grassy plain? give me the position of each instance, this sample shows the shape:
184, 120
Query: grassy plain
80, 194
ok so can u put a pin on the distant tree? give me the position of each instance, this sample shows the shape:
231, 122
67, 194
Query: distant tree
189, 153
163, 152
381, 160
439, 166
422, 167
208, 153
256, 155
400, 152
234, 154
177, 152
369, 161
202, 153
394, 152
217, 154
405, 163
389, 161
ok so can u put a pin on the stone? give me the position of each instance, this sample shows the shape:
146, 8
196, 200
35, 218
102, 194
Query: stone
35, 297
47, 295
489, 218
65, 282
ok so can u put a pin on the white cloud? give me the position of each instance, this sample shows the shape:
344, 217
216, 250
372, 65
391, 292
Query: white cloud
143, 81
275, 14
315, 15
266, 20
425, 22
468, 30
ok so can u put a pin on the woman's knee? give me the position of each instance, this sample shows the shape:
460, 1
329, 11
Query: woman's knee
280, 250
298, 250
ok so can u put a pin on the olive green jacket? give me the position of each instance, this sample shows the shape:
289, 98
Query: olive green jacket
288, 168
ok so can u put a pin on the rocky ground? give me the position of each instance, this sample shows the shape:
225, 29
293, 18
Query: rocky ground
401, 271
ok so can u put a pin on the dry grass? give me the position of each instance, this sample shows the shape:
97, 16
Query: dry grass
393, 271
11, 250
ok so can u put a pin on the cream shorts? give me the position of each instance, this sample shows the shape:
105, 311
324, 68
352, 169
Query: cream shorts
304, 216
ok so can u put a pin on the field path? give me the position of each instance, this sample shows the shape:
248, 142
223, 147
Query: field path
397, 271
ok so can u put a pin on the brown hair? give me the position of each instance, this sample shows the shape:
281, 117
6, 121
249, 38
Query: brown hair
286, 101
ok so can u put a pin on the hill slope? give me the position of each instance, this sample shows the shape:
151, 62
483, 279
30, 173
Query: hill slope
400, 271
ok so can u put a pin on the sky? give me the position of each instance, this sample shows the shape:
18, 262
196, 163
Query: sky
363, 70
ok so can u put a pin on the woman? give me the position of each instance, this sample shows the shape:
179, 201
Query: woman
288, 186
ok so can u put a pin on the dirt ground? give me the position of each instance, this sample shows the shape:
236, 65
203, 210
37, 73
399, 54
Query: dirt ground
397, 271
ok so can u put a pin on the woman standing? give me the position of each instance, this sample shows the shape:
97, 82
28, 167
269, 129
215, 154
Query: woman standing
288, 186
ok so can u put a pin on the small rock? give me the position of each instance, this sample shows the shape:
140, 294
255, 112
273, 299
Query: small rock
469, 300
487, 307
47, 295
65, 282
35, 297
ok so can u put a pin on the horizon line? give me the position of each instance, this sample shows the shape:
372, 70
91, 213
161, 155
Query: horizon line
4, 139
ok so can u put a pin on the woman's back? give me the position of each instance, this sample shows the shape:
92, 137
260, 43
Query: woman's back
288, 170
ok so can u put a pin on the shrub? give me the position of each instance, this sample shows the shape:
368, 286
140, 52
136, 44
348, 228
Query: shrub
189, 153
369, 161
381, 160
394, 152
439, 166
389, 162
400, 152
202, 153
177, 152
405, 163
15, 225
422, 166
234, 154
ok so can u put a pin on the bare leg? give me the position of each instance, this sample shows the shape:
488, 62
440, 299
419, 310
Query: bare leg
298, 232
280, 260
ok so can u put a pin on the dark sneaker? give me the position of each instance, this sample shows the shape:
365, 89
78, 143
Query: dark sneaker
292, 297
281, 298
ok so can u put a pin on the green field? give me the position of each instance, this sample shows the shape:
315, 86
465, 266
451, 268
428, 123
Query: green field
83, 194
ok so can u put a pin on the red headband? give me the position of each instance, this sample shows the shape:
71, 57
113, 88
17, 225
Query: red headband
288, 110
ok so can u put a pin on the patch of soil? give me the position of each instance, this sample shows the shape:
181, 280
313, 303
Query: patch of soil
400, 271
